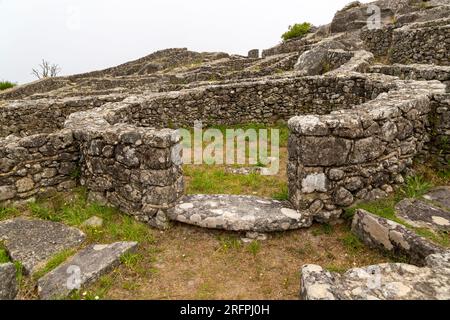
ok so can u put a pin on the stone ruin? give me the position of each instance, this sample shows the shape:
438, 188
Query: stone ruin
361, 106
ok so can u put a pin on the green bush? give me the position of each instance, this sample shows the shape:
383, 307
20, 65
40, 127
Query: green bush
297, 30
6, 85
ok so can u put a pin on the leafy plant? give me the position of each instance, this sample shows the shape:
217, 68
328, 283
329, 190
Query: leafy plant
298, 30
416, 186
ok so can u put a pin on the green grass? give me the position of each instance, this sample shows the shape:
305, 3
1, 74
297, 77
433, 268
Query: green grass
8, 213
229, 243
282, 195
335, 268
297, 30
54, 262
323, 229
416, 186
4, 257
6, 85
215, 180
73, 212
254, 247
352, 243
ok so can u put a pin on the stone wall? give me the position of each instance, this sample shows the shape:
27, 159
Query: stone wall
415, 72
357, 154
262, 101
378, 41
37, 164
29, 89
293, 45
25, 117
440, 129
134, 169
424, 42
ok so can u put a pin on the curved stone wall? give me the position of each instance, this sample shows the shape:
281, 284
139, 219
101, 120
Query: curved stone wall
337, 159
262, 101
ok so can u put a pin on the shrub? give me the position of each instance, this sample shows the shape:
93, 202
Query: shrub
297, 30
6, 85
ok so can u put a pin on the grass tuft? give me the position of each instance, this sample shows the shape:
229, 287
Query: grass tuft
6, 85
54, 262
254, 247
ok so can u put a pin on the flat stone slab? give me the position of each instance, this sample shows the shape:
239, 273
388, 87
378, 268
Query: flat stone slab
387, 235
389, 281
84, 268
33, 242
8, 282
423, 215
239, 213
440, 196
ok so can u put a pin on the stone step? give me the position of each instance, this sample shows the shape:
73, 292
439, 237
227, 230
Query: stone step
239, 213
33, 242
84, 268
423, 215
388, 281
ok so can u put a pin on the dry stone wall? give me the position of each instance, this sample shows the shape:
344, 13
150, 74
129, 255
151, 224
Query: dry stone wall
361, 153
424, 42
132, 168
262, 101
37, 164
440, 129
25, 117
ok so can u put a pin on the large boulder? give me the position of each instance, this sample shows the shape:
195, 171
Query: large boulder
313, 62
355, 15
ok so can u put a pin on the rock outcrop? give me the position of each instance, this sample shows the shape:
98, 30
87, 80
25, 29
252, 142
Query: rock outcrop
389, 281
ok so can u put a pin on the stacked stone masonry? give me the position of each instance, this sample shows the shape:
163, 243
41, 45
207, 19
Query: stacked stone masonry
37, 164
358, 154
422, 42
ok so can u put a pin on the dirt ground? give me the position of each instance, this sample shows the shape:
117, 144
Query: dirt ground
192, 263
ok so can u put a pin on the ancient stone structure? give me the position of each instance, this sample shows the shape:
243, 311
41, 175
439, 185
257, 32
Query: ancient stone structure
389, 281
361, 104
392, 237
239, 213
355, 127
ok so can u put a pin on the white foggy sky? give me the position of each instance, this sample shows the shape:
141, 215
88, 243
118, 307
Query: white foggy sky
86, 35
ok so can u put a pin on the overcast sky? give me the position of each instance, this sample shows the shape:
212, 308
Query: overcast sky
86, 35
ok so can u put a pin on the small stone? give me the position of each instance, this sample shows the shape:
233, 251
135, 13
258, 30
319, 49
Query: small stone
387, 188
93, 222
256, 236
6, 193
24, 185
376, 194
336, 174
343, 197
